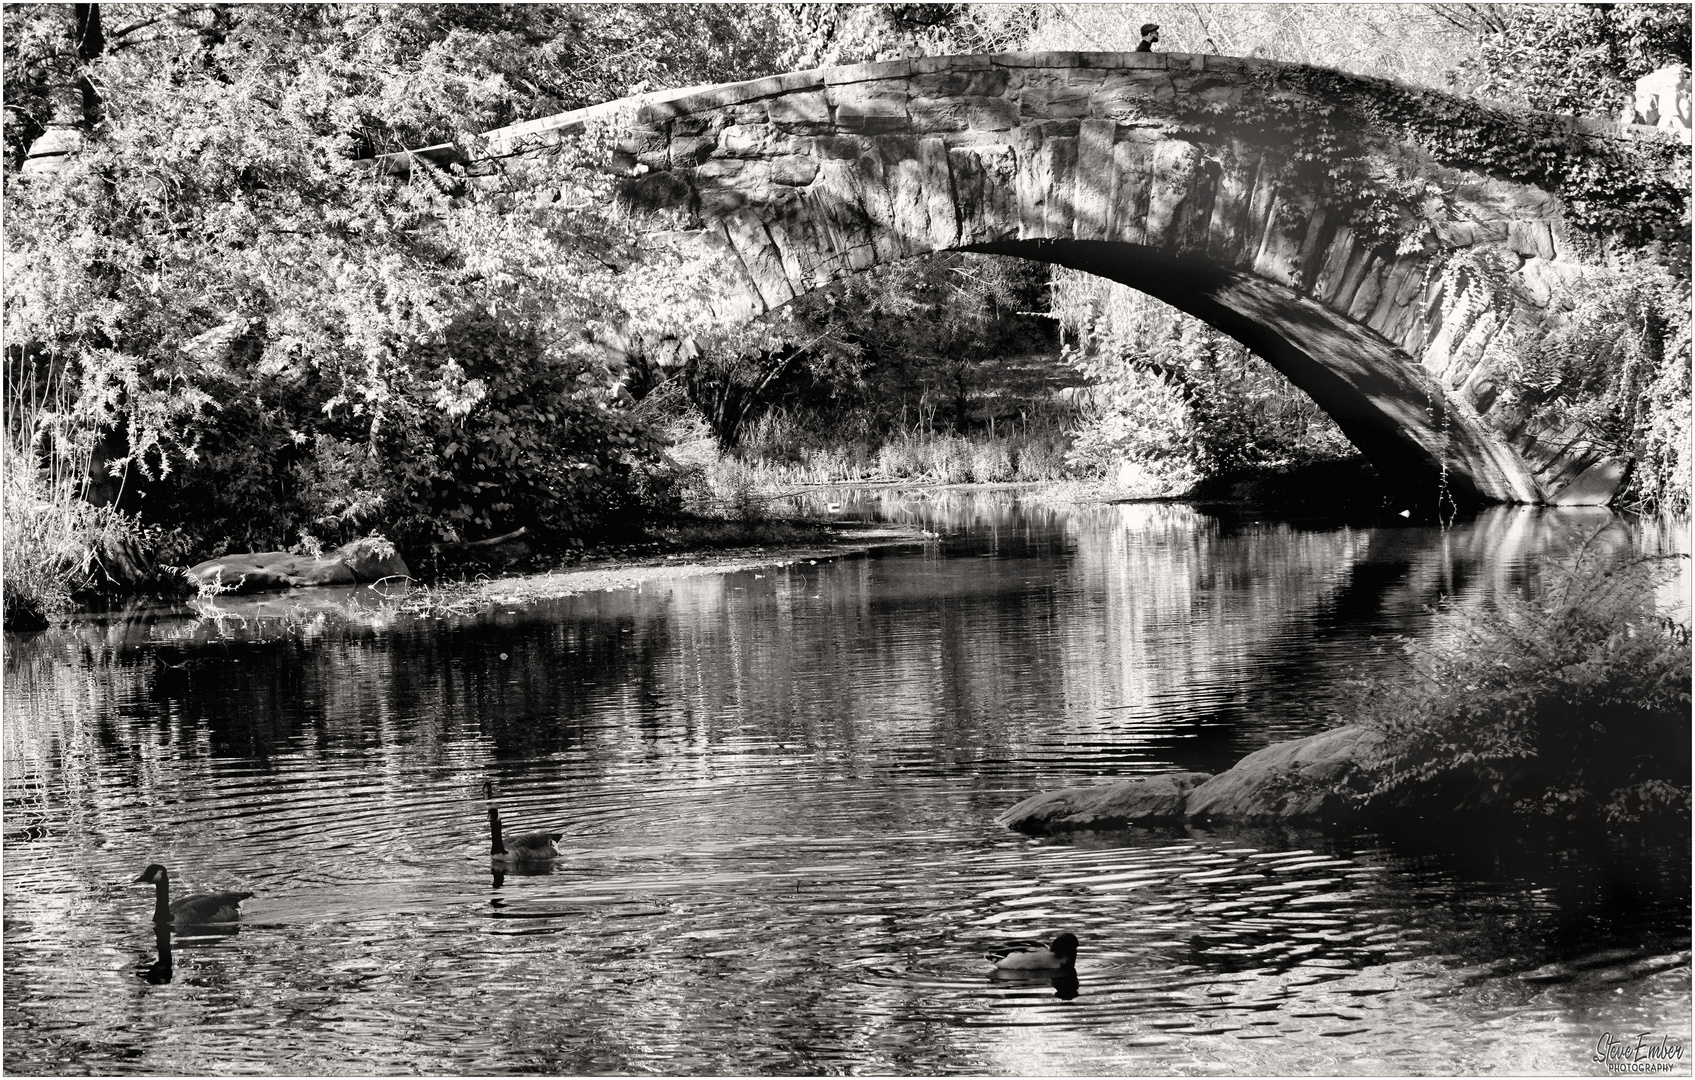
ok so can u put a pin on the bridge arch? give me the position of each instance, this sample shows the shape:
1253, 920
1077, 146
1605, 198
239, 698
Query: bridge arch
1124, 165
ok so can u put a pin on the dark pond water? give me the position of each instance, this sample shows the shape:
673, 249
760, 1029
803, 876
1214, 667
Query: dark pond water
777, 790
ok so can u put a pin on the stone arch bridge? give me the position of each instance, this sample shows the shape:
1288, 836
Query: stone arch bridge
1074, 158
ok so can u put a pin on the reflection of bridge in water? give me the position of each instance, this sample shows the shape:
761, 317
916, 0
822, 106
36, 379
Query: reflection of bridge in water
1172, 620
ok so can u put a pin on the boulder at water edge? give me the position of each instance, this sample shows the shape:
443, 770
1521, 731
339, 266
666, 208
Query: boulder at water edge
1148, 800
361, 561
1310, 781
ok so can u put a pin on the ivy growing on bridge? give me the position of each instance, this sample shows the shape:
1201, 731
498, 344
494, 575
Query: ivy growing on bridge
1611, 353
1634, 190
1322, 125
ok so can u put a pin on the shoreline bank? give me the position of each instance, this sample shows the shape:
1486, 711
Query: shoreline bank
690, 539
844, 541
470, 597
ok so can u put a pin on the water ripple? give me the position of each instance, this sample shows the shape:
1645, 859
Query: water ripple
776, 793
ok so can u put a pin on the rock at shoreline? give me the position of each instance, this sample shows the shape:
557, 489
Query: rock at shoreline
1304, 781
1148, 800
1308, 781
361, 561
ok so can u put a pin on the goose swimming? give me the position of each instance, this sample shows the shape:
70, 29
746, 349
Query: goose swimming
526, 847
212, 907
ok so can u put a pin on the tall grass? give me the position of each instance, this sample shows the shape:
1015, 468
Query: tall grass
783, 449
56, 543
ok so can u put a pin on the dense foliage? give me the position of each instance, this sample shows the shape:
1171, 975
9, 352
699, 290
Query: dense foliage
273, 343
1634, 191
1572, 706
283, 344
1613, 360
922, 338
939, 367
1416, 43
1573, 58
58, 544
1173, 402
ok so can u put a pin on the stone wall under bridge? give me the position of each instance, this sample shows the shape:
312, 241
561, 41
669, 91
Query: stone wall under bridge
796, 180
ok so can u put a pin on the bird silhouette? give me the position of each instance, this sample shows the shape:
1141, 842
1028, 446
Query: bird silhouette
1035, 957
526, 847
211, 907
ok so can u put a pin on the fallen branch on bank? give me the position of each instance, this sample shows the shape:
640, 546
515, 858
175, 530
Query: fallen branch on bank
452, 546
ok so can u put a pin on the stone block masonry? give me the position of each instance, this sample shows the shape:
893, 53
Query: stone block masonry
1102, 161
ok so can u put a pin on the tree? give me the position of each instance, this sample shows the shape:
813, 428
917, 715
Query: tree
284, 341
1401, 41
825, 34
1571, 58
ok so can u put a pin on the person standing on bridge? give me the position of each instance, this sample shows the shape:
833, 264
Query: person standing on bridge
1150, 37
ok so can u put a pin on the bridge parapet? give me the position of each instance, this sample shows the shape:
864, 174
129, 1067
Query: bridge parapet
658, 106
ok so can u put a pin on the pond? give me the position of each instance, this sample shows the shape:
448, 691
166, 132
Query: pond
777, 791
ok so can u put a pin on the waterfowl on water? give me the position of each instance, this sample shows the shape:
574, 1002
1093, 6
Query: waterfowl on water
1060, 956
212, 907
528, 847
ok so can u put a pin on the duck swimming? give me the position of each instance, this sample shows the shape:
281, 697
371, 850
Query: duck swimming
210, 907
528, 847
1060, 956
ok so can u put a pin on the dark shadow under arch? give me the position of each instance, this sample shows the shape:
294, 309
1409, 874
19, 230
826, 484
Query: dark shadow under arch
1359, 379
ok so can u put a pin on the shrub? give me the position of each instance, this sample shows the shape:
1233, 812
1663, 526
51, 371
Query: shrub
737, 488
1146, 435
499, 433
1173, 401
947, 458
1573, 705
773, 436
664, 483
57, 543
901, 456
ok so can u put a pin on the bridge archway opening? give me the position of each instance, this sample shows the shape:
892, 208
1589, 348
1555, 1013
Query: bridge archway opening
1354, 377
1307, 344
